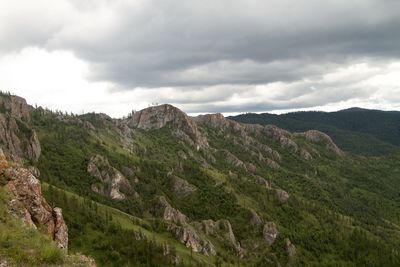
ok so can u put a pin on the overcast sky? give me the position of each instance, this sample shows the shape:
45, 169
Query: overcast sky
228, 56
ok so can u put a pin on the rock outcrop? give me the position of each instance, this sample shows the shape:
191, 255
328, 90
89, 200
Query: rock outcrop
282, 195
158, 117
28, 203
164, 210
321, 138
181, 229
290, 250
17, 139
270, 232
111, 181
189, 237
15, 106
182, 188
221, 229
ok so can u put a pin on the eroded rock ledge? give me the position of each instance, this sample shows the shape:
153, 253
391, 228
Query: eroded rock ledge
28, 203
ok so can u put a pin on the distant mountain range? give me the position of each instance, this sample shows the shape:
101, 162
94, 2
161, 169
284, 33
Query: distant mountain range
356, 130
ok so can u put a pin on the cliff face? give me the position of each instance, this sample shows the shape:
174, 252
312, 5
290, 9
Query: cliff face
28, 203
17, 139
157, 117
112, 183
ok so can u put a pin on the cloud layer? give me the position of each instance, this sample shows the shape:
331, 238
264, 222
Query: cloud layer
206, 56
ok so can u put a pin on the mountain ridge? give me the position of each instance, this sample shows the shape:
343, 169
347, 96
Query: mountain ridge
220, 191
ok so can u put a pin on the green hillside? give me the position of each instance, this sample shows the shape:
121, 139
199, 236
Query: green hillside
159, 188
361, 131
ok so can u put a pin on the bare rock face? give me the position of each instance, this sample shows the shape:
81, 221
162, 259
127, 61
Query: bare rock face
182, 188
321, 138
262, 181
17, 139
168, 213
242, 131
282, 195
16, 106
188, 236
178, 225
28, 204
255, 219
290, 250
233, 160
18, 142
270, 232
283, 136
159, 116
113, 183
222, 229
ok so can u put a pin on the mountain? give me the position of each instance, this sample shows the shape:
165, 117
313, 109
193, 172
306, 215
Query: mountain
356, 130
161, 188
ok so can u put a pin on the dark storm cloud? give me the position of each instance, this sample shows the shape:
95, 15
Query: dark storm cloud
186, 43
207, 55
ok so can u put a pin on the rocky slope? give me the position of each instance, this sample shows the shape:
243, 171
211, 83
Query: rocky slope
17, 139
209, 190
28, 203
112, 182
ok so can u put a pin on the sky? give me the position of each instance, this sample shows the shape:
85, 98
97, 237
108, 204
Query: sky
203, 56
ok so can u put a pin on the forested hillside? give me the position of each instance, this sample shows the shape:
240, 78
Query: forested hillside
361, 131
160, 188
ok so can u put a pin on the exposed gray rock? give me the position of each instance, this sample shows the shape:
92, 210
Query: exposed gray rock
167, 212
188, 236
221, 229
304, 154
255, 219
262, 181
112, 182
321, 138
272, 164
159, 116
18, 143
16, 106
182, 188
270, 232
290, 250
282, 195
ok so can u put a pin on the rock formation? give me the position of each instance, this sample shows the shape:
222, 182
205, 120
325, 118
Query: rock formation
182, 188
321, 138
290, 250
159, 116
17, 139
270, 232
181, 229
222, 229
28, 203
112, 183
282, 195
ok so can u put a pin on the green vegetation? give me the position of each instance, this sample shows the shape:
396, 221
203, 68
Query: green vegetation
360, 131
342, 211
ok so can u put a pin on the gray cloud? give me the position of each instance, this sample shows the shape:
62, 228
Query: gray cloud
229, 46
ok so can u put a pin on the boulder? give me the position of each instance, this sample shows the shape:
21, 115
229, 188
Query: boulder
290, 250
282, 195
270, 232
